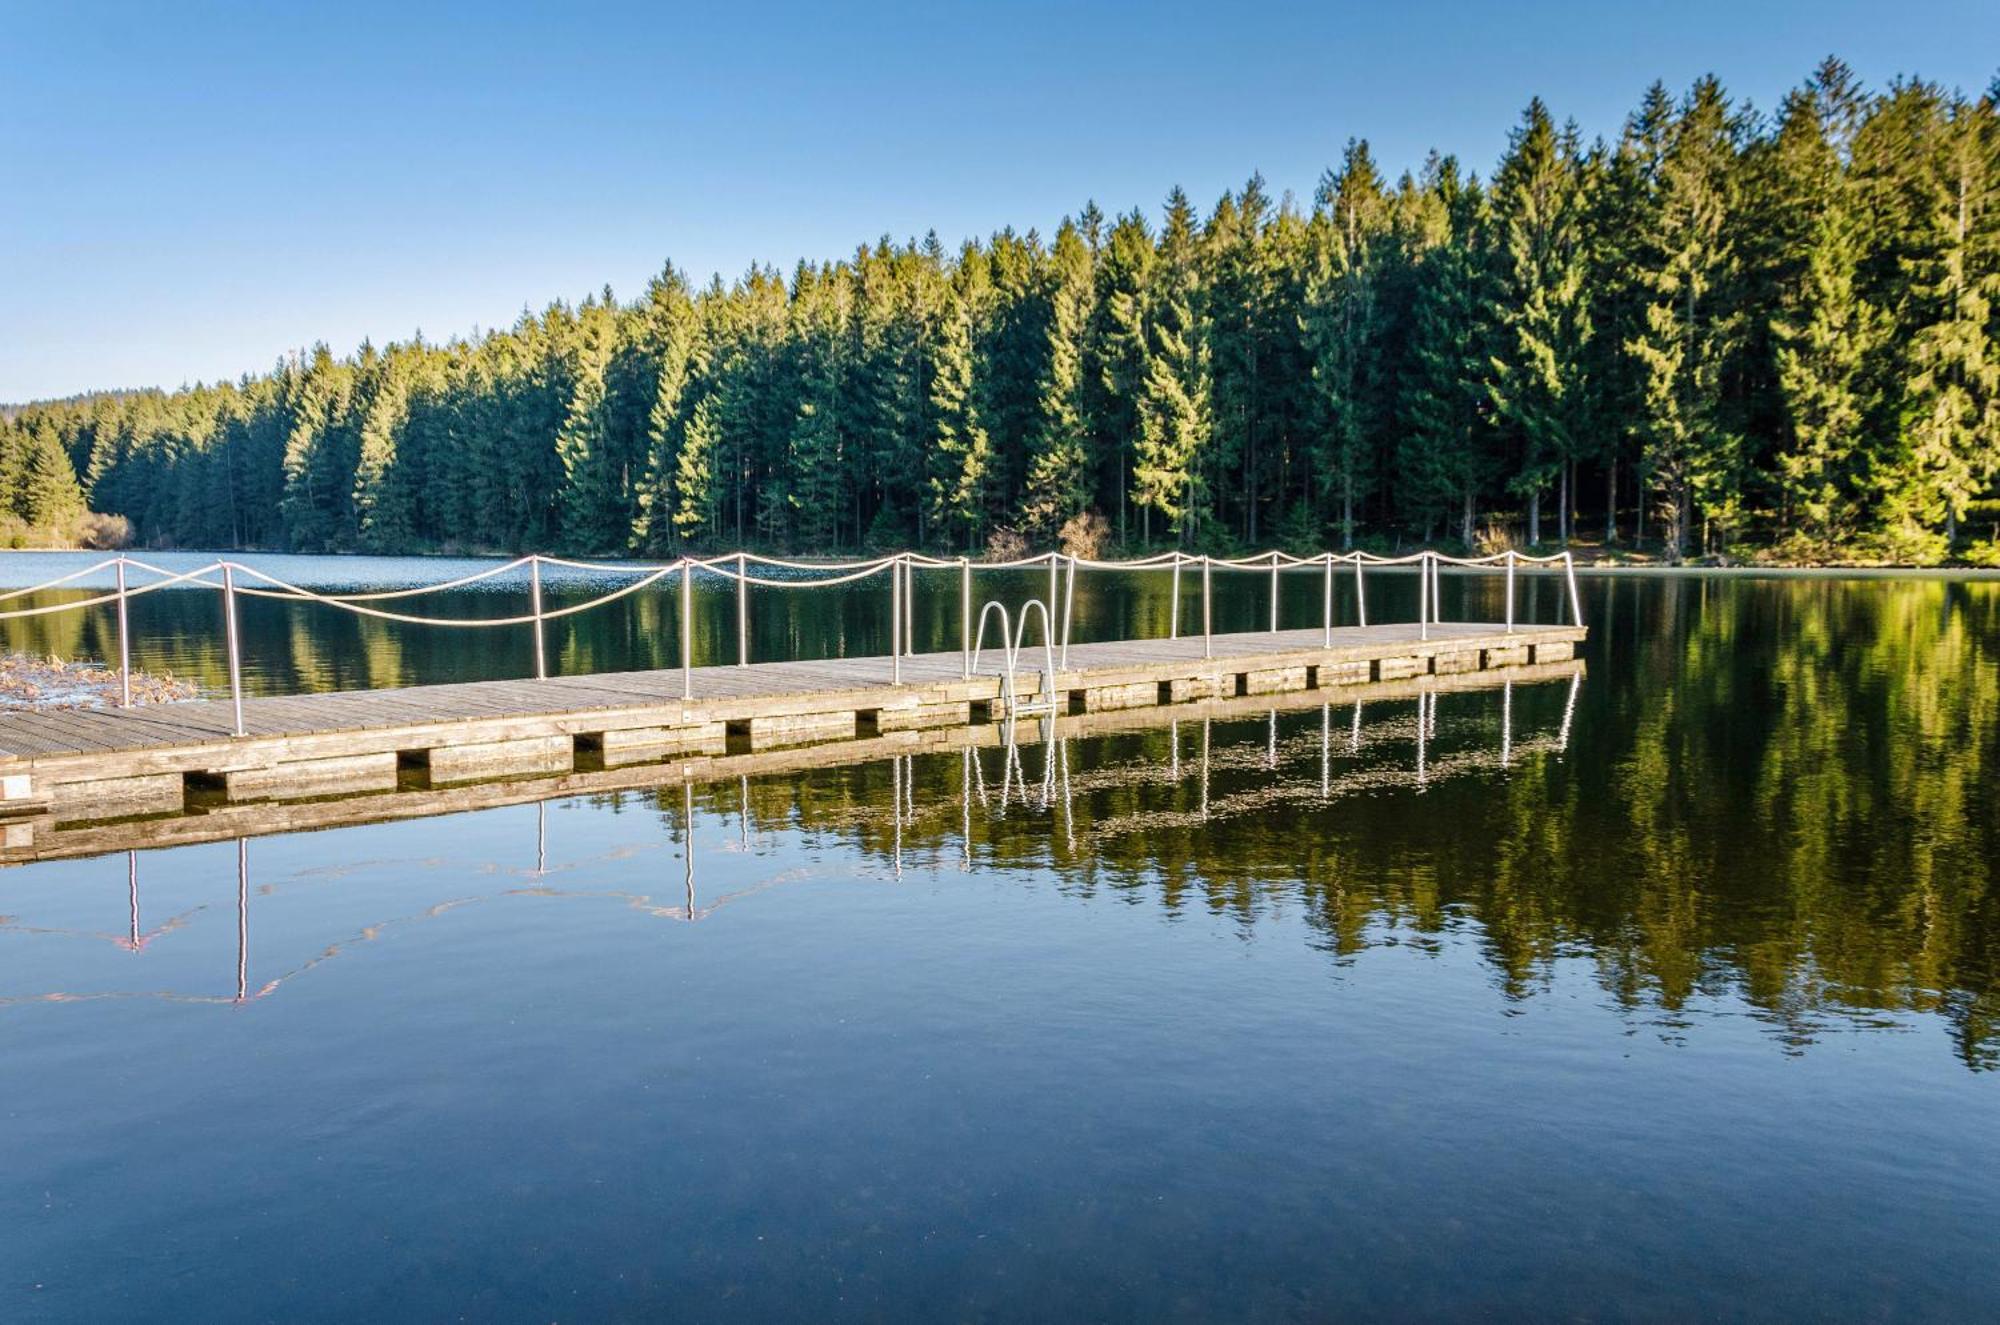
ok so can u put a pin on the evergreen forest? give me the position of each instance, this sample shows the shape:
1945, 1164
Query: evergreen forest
1727, 333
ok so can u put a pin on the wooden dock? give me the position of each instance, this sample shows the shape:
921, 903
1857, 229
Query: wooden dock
63, 769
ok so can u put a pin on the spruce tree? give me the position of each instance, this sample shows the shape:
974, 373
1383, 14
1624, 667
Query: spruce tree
1059, 473
1825, 336
1343, 324
1539, 384
1174, 407
959, 454
1951, 396
1685, 268
697, 487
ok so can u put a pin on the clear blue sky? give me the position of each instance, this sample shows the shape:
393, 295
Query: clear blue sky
187, 189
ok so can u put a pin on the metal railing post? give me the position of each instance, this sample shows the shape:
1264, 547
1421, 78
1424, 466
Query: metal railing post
965, 618
235, 647
1174, 610
1510, 591
1054, 557
1069, 607
1423, 596
1575, 602
124, 645
1360, 593
909, 607
535, 593
1207, 613
1326, 593
742, 610
687, 628
896, 621
1274, 591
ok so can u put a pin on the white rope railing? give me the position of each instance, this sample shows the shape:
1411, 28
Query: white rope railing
223, 575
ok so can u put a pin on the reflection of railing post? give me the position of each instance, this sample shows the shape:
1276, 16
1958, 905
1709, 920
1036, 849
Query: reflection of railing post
1174, 609
242, 915
1325, 749
687, 839
535, 592
687, 628
1326, 593
235, 647
1207, 612
1274, 591
124, 645
1510, 591
742, 610
1360, 593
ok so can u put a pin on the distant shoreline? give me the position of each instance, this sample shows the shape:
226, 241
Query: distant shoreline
1586, 562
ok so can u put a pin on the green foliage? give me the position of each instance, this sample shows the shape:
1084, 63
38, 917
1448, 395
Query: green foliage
1728, 331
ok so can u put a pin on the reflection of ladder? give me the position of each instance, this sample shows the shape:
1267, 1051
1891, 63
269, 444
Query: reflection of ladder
1011, 637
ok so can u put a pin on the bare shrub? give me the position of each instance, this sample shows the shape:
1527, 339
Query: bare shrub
1006, 544
1084, 535
1492, 537
103, 532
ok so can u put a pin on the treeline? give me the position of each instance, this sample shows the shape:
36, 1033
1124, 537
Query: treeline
1723, 330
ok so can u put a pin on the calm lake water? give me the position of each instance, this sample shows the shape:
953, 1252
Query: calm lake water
1674, 993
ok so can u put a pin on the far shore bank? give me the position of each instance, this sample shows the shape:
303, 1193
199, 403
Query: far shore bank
1589, 559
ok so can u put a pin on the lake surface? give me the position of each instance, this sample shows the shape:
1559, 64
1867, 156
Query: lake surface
1669, 993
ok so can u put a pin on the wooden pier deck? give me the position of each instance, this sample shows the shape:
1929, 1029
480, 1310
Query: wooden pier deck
59, 768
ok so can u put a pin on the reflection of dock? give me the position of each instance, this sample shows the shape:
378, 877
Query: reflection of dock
45, 837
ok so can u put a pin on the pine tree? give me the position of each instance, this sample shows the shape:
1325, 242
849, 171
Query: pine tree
697, 487
1174, 408
1824, 335
1952, 393
47, 495
383, 502
959, 455
1058, 483
673, 355
1115, 359
815, 471
595, 517
1690, 329
1539, 384
1343, 323
1446, 455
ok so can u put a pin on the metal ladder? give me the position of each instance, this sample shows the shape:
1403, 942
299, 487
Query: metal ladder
1012, 635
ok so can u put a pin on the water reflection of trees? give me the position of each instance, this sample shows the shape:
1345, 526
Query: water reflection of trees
1782, 792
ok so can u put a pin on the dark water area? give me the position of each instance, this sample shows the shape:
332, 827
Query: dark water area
1666, 994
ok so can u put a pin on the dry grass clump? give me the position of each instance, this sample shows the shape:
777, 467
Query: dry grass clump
51, 683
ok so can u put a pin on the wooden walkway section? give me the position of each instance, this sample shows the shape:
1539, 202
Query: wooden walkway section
69, 768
